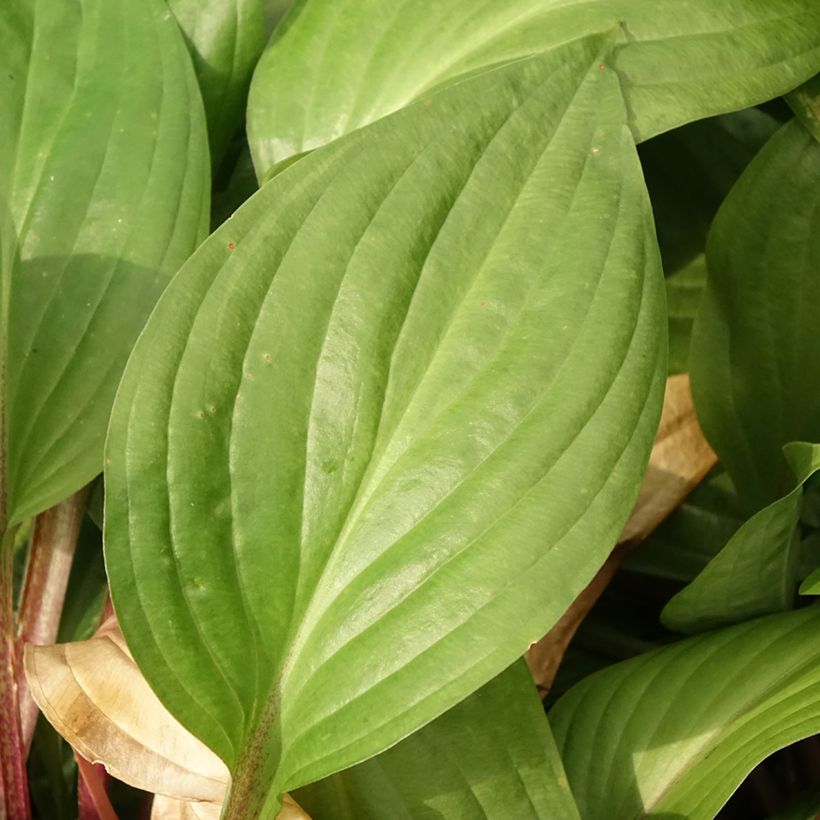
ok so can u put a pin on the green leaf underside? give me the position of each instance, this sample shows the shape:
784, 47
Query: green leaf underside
492, 756
693, 534
675, 731
388, 420
756, 572
754, 364
226, 38
336, 65
103, 163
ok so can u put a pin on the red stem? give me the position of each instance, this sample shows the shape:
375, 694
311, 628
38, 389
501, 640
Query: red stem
12, 749
51, 553
92, 791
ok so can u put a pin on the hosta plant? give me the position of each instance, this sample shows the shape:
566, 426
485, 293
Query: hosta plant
366, 314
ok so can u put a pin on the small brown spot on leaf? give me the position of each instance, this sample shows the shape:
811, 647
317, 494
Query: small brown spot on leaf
231, 245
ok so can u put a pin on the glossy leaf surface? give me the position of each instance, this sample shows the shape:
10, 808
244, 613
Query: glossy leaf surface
226, 38
335, 65
754, 364
104, 166
492, 756
388, 421
675, 731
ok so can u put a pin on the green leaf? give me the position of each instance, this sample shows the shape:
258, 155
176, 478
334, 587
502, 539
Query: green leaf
388, 421
672, 733
275, 11
104, 166
492, 756
689, 172
805, 102
754, 364
239, 185
810, 554
335, 66
684, 291
87, 586
756, 572
226, 38
698, 529
52, 773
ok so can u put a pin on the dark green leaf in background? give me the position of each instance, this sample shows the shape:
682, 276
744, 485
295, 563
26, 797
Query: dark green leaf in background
388, 421
684, 290
693, 534
335, 65
754, 358
689, 172
673, 732
492, 756
226, 38
104, 167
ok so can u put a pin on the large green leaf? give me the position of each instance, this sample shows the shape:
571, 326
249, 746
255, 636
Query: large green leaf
335, 65
756, 572
754, 363
104, 165
226, 38
492, 756
388, 421
672, 733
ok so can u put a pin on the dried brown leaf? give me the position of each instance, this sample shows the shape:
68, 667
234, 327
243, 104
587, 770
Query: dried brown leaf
95, 696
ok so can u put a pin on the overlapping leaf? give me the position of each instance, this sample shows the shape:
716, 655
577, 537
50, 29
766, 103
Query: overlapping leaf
103, 163
226, 38
489, 757
96, 698
756, 572
492, 756
754, 363
675, 731
336, 65
388, 421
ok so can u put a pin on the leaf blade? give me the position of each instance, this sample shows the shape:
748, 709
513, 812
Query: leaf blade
762, 265
676, 64
225, 39
668, 740
756, 572
93, 139
352, 424
460, 765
